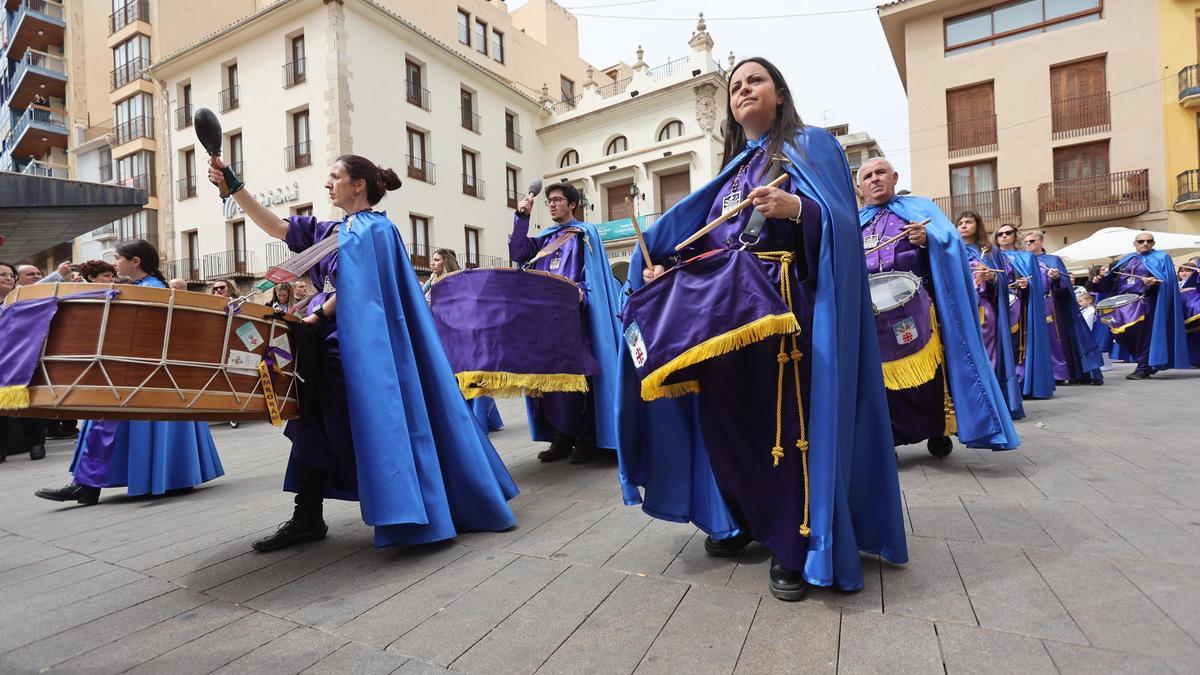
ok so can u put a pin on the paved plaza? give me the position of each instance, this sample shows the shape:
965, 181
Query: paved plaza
1079, 553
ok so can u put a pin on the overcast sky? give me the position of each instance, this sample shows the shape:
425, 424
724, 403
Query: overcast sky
838, 64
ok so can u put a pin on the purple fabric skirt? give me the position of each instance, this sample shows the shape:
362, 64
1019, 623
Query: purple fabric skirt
325, 441
1190, 297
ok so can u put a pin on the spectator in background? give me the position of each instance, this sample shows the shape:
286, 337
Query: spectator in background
177, 284
19, 434
282, 297
30, 274
98, 272
225, 289
444, 262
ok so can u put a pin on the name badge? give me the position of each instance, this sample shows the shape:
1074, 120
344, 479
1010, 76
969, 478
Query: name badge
870, 241
555, 262
905, 331
637, 346
731, 200
328, 287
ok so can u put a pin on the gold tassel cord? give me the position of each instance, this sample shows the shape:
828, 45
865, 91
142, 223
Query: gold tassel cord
14, 397
951, 427
476, 383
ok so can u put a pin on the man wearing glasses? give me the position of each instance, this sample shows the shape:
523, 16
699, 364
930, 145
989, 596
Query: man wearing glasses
1157, 341
574, 424
1074, 353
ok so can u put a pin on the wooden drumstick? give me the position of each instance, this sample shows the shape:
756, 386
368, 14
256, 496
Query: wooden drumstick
1189, 267
638, 229
1130, 274
891, 240
733, 211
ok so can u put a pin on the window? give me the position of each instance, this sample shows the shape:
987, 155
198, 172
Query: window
973, 188
183, 114
511, 178
415, 89
1079, 98
511, 138
471, 260
191, 247
1015, 20
673, 129
417, 166
471, 185
420, 241
294, 70
616, 196
133, 118
616, 145
129, 59
189, 174
971, 119
569, 158
106, 164
1081, 161
481, 34
464, 27
568, 89
498, 46
469, 119
137, 170
237, 231
305, 210
235, 153
300, 152
229, 97
673, 188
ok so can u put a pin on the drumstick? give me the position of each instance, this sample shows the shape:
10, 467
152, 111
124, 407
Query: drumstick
892, 240
1130, 274
637, 228
733, 211
1189, 267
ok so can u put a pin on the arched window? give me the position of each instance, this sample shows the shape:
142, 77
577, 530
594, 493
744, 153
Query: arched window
569, 158
672, 129
618, 144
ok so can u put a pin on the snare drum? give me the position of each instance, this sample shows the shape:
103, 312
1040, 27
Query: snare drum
143, 353
511, 332
905, 328
1119, 312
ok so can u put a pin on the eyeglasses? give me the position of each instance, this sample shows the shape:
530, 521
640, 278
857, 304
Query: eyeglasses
555, 200
1145, 241
1006, 233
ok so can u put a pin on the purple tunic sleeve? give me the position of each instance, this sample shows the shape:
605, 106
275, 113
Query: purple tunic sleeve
302, 232
522, 247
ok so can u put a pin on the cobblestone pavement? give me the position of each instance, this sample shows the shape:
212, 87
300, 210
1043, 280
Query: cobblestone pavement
1078, 553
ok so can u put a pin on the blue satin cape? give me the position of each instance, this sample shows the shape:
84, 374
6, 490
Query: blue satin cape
1168, 341
853, 484
603, 333
1006, 362
979, 404
1083, 357
426, 470
1039, 369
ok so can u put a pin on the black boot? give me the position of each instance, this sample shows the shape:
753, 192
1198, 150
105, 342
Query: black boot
37, 452
726, 548
585, 449
1138, 374
785, 584
83, 494
561, 448
940, 447
307, 523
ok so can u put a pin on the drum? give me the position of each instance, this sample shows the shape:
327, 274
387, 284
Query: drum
511, 332
122, 352
1119, 312
1190, 298
905, 328
701, 309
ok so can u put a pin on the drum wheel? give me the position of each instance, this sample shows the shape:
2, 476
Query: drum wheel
940, 447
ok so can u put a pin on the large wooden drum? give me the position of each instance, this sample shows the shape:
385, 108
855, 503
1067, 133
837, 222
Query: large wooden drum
158, 354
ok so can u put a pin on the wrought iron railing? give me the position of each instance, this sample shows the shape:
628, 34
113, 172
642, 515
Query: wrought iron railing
618, 87
138, 127
1187, 186
185, 188
1189, 81
969, 137
188, 269
566, 104
235, 263
668, 69
230, 99
471, 185
421, 256
416, 94
421, 169
512, 139
1080, 116
294, 73
1095, 198
128, 72
134, 10
993, 206
472, 121
45, 169
277, 253
298, 155
183, 117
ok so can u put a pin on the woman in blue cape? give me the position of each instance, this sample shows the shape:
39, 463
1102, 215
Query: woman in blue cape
148, 458
392, 429
1034, 368
707, 457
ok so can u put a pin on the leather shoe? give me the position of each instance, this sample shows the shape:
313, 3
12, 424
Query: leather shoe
940, 447
583, 452
727, 548
786, 585
83, 494
37, 452
561, 448
1138, 375
291, 533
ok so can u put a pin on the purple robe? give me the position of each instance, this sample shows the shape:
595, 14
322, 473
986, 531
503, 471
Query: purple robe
917, 414
1136, 338
988, 294
1016, 315
1058, 340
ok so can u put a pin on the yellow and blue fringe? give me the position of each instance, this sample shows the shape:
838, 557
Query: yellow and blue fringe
476, 383
14, 397
917, 368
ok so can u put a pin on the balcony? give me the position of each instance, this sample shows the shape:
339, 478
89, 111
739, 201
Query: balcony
420, 255
138, 127
486, 261
618, 87
1188, 189
187, 269
277, 253
669, 69
1080, 116
1189, 87
512, 198
134, 10
471, 185
45, 169
420, 169
472, 121
416, 94
971, 137
994, 206
229, 99
293, 73
130, 71
1093, 199
566, 105
140, 181
36, 24
183, 117
37, 131
36, 74
236, 264
105, 232
185, 188
298, 155
512, 139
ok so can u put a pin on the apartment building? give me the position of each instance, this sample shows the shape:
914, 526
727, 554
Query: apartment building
858, 146
33, 79
1042, 113
1179, 25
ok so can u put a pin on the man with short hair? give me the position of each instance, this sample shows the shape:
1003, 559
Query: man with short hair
575, 424
1074, 355
30, 274
938, 376
1154, 333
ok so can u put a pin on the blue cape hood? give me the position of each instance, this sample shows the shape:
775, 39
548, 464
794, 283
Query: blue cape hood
1168, 341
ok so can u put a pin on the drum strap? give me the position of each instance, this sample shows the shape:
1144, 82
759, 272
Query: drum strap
556, 244
754, 226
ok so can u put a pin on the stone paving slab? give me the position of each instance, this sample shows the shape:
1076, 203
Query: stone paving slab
1078, 553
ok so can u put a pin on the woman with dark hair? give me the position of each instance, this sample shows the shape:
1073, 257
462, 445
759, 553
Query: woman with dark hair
147, 457
814, 480
1031, 339
392, 429
97, 272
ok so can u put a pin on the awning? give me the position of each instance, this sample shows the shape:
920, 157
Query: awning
38, 213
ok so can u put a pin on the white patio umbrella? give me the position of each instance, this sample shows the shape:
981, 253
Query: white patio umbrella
1112, 242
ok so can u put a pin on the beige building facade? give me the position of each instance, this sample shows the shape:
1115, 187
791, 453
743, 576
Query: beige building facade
1043, 114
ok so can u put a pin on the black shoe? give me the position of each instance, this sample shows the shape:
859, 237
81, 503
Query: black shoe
727, 548
233, 424
37, 452
292, 532
786, 585
57, 432
940, 447
583, 452
83, 494
1138, 375
561, 448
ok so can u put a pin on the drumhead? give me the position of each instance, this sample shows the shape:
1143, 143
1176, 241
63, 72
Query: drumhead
1116, 301
892, 289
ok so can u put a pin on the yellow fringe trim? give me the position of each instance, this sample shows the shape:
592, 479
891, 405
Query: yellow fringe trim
915, 369
1117, 330
654, 387
14, 397
476, 383
1014, 328
982, 317
679, 389
1190, 320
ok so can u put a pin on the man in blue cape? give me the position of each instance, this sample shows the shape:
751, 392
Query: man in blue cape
1035, 370
1156, 338
895, 239
1074, 352
852, 483
574, 424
